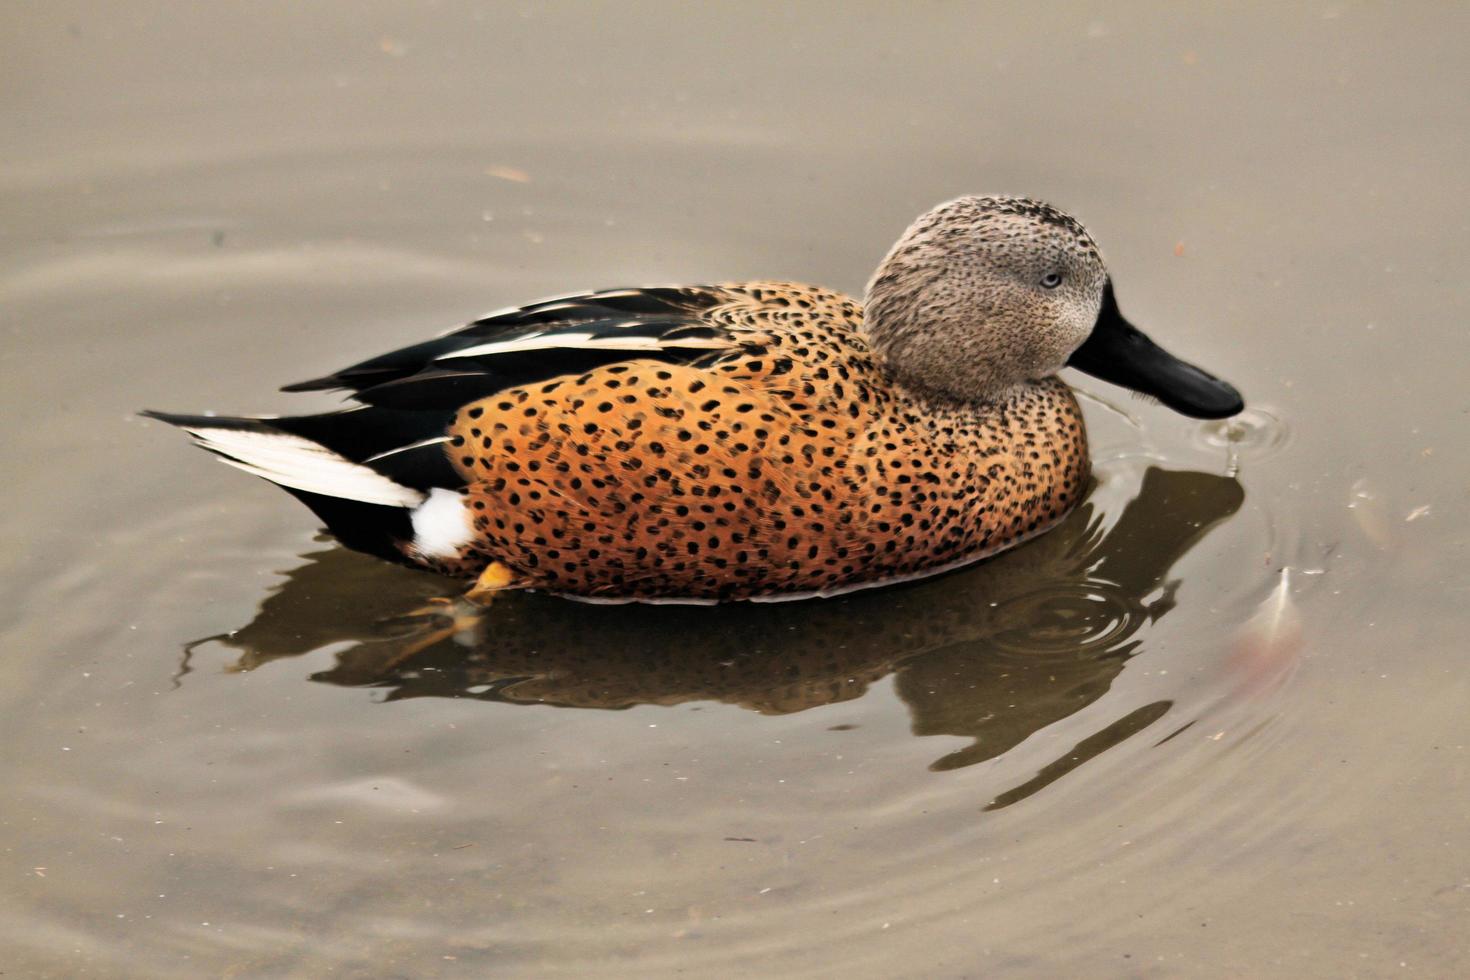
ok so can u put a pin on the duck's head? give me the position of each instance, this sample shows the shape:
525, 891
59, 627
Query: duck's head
982, 294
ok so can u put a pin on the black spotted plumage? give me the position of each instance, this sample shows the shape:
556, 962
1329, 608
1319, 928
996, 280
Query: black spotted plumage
772, 457
788, 465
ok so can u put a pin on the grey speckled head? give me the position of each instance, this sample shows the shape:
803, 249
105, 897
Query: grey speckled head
982, 294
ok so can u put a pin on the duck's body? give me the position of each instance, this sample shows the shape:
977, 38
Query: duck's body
747, 440
788, 464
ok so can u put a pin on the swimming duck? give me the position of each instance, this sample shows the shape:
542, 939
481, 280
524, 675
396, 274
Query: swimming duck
747, 440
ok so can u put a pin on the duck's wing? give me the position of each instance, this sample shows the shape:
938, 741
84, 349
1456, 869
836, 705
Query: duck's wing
523, 345
367, 470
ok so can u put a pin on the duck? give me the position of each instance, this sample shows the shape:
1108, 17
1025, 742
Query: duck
752, 440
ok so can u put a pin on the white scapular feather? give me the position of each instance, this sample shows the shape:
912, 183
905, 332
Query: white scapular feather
292, 461
403, 449
441, 524
586, 341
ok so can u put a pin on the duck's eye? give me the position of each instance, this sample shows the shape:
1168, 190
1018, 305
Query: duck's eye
1051, 280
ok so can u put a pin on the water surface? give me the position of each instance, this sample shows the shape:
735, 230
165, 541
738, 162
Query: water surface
1215, 724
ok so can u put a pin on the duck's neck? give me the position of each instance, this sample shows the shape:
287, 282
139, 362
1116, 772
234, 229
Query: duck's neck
930, 350
918, 390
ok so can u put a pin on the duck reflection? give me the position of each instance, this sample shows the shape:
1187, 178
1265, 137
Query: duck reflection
993, 653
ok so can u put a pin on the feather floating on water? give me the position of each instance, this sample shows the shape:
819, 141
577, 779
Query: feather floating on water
1268, 645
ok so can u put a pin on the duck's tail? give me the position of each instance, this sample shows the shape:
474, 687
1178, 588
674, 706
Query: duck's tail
371, 483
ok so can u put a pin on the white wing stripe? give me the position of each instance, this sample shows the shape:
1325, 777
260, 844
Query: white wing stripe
291, 461
403, 449
586, 341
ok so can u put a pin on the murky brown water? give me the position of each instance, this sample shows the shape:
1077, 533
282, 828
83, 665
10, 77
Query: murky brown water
231, 748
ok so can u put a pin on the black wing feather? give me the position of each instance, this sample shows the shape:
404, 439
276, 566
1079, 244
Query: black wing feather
422, 466
430, 389
370, 528
396, 444
654, 311
438, 388
367, 431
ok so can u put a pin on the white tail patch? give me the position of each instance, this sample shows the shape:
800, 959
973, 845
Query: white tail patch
441, 524
292, 461
552, 340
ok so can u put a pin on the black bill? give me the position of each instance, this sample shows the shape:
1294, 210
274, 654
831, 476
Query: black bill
1119, 353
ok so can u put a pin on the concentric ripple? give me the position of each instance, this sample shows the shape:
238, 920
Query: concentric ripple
1067, 617
1255, 433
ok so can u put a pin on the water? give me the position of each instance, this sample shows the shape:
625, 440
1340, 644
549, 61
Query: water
1133, 747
